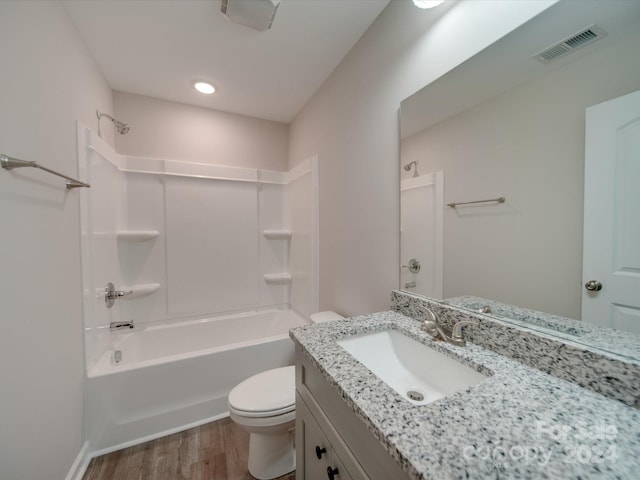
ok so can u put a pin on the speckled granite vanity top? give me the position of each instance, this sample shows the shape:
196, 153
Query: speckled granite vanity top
618, 342
518, 423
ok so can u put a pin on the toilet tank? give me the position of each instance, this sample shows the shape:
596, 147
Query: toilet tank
326, 316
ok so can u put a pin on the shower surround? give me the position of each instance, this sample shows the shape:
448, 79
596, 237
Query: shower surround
188, 244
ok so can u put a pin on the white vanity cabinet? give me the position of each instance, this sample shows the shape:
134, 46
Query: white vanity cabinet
326, 427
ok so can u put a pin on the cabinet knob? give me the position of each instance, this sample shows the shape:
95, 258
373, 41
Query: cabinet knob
320, 451
332, 472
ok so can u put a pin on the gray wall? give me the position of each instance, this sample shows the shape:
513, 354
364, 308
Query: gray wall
352, 124
48, 81
174, 131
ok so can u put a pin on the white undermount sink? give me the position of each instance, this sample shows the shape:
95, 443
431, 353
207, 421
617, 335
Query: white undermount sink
417, 372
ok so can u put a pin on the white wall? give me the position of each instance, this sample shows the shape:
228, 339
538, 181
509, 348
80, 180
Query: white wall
528, 145
48, 81
102, 215
301, 213
421, 233
352, 124
234, 279
184, 133
168, 130
210, 254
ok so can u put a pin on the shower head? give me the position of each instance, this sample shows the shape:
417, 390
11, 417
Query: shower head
408, 166
121, 128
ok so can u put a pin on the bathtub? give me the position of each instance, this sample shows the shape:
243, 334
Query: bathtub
160, 379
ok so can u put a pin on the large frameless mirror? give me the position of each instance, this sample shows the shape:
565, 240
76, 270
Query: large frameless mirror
501, 187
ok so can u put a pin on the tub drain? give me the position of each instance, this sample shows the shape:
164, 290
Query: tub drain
413, 395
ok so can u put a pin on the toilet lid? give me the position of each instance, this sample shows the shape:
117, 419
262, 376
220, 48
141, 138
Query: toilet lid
273, 391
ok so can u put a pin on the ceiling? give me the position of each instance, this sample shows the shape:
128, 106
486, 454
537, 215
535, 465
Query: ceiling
158, 48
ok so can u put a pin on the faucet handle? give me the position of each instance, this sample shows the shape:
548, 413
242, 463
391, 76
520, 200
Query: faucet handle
456, 332
430, 316
430, 323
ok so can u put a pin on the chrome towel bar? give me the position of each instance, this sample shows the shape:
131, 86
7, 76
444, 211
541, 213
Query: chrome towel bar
498, 200
9, 163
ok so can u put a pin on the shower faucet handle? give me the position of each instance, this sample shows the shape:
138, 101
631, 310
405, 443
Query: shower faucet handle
111, 294
414, 266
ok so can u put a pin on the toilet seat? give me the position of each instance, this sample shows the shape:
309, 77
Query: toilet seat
266, 394
264, 413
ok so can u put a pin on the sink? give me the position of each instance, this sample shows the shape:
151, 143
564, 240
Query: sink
417, 372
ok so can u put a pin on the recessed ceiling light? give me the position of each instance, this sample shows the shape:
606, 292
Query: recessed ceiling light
427, 3
204, 87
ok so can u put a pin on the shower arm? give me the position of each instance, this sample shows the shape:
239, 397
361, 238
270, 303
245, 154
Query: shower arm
121, 128
407, 168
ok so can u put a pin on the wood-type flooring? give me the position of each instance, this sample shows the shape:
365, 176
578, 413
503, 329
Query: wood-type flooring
214, 451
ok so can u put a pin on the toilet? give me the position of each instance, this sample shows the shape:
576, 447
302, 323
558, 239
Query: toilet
265, 406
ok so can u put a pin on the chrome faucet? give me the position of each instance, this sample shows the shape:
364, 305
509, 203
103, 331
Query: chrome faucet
111, 294
121, 325
438, 332
485, 309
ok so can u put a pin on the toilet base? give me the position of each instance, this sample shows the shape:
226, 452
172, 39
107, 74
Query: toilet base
271, 456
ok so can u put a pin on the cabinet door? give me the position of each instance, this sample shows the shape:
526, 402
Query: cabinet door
315, 445
321, 461
337, 467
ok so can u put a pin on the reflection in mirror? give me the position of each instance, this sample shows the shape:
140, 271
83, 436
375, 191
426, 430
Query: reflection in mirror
421, 230
507, 124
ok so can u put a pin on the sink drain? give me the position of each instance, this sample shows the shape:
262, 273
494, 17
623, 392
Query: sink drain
413, 395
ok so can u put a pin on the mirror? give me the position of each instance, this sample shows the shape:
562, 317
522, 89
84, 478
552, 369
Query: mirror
505, 124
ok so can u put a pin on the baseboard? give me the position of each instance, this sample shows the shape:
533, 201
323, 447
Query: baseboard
80, 464
155, 436
83, 458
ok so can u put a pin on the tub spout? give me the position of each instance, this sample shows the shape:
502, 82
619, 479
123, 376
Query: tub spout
121, 325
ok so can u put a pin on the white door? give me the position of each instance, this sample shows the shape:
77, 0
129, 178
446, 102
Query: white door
421, 234
611, 255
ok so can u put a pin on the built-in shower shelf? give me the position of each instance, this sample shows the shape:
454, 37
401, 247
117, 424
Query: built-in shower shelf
140, 290
278, 234
277, 277
137, 235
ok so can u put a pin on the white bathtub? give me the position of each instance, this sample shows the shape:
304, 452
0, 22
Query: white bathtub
176, 376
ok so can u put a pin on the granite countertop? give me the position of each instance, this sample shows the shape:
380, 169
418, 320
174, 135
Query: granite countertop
618, 342
518, 423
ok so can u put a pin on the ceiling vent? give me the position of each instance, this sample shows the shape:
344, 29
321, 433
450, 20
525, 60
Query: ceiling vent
577, 40
257, 14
